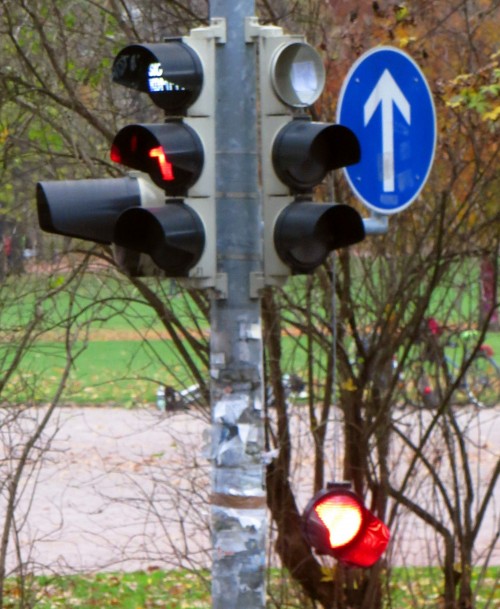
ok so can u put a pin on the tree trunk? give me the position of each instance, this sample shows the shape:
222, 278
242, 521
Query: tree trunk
291, 546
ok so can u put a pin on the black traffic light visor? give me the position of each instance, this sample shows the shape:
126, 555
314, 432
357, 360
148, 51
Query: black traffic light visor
305, 151
86, 209
305, 233
173, 235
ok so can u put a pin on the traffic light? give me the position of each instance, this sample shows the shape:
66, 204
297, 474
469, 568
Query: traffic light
178, 154
166, 212
144, 147
89, 210
336, 522
296, 155
171, 73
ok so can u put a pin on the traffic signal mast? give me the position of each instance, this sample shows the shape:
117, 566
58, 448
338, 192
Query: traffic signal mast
161, 217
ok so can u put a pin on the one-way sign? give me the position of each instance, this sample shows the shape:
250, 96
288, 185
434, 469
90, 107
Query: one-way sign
387, 102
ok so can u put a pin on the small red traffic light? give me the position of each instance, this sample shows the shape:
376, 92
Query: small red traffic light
336, 522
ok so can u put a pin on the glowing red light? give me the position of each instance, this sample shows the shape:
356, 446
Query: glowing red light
166, 168
115, 154
369, 548
342, 516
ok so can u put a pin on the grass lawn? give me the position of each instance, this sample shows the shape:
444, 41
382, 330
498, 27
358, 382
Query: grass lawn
140, 590
113, 372
122, 351
418, 588
117, 366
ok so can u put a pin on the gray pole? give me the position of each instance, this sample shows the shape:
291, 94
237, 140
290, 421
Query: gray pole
239, 521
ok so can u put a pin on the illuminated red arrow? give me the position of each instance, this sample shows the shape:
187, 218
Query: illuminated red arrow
166, 169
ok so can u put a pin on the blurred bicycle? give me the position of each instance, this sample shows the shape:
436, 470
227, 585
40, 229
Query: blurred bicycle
451, 366
170, 399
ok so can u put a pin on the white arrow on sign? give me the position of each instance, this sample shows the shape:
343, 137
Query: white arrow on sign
387, 93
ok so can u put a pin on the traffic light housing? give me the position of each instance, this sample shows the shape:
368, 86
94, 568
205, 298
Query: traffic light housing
336, 523
178, 155
89, 210
168, 214
296, 155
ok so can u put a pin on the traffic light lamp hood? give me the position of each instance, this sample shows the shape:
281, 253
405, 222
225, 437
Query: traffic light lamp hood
305, 151
306, 232
88, 209
173, 235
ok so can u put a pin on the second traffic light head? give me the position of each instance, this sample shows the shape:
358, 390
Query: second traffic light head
336, 522
304, 152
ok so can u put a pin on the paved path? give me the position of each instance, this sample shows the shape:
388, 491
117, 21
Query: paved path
128, 489
112, 490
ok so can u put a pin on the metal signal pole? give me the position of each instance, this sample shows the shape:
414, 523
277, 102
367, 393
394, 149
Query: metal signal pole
239, 521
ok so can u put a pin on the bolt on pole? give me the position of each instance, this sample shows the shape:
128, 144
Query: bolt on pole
239, 520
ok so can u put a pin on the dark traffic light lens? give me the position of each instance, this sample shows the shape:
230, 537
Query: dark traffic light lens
173, 235
305, 233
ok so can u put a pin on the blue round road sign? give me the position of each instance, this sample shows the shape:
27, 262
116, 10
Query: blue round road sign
387, 103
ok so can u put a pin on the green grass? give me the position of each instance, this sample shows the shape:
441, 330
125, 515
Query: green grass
421, 588
117, 366
140, 590
121, 372
418, 588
